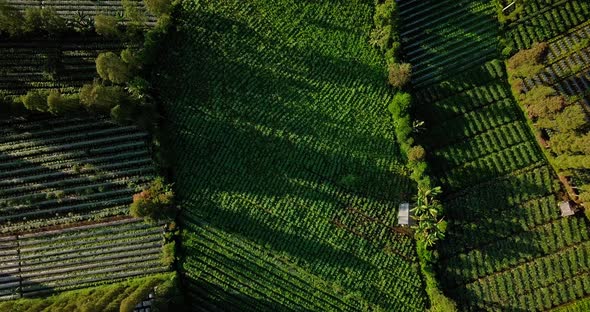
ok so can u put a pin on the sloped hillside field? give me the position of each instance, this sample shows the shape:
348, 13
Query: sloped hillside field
285, 161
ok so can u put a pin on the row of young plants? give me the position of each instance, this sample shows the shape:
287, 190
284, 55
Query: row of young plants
49, 261
436, 47
53, 174
536, 21
428, 210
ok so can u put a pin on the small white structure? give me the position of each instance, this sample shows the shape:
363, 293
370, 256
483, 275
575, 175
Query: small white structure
509, 8
403, 214
566, 209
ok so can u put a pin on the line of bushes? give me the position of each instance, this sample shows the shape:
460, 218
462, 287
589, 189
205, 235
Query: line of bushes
428, 211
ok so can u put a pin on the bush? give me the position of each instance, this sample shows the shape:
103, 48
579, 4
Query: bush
400, 105
527, 63
100, 98
107, 26
11, 20
168, 254
153, 203
35, 100
62, 104
46, 19
158, 7
399, 74
416, 154
112, 68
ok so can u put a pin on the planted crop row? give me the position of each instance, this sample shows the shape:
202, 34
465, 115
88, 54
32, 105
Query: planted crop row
77, 168
73, 257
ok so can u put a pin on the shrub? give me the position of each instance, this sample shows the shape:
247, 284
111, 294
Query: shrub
46, 19
107, 26
11, 20
416, 154
101, 98
35, 100
153, 203
527, 63
400, 105
131, 58
168, 254
112, 68
158, 7
62, 104
399, 74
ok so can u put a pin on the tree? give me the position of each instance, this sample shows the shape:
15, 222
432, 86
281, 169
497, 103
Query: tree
154, 202
168, 254
107, 26
101, 98
35, 100
416, 154
112, 68
399, 74
61, 104
43, 19
11, 20
158, 7
543, 101
527, 63
430, 228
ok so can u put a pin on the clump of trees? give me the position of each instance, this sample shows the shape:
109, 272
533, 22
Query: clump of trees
155, 202
107, 26
556, 118
33, 21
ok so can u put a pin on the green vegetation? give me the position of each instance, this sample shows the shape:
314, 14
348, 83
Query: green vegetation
286, 165
154, 203
122, 296
506, 247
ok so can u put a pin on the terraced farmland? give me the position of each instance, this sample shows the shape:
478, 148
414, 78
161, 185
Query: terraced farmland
63, 170
507, 246
75, 257
285, 159
542, 20
83, 9
441, 38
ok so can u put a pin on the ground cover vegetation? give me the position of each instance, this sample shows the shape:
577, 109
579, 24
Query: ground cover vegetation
506, 247
280, 110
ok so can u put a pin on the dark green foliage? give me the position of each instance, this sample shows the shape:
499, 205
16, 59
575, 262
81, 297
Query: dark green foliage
60, 104
11, 20
100, 98
111, 67
107, 26
158, 7
35, 100
43, 20
154, 202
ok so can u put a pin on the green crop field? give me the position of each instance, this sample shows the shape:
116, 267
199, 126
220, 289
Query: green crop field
507, 247
285, 159
261, 149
